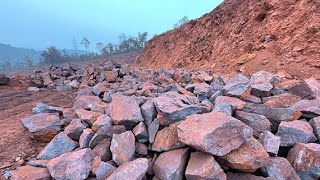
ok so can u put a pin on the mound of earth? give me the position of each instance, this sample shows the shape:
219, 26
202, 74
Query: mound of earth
244, 36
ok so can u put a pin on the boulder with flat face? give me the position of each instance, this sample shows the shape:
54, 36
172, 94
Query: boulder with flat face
173, 107
305, 159
85, 138
75, 129
214, 133
102, 169
264, 77
238, 86
270, 142
30, 172
281, 101
315, 124
236, 103
279, 168
43, 108
134, 170
106, 132
122, 147
125, 110
171, 164
309, 108
86, 102
149, 111
141, 132
43, 127
72, 165
204, 166
258, 123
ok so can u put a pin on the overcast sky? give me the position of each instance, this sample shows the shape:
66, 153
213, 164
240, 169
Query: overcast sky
40, 23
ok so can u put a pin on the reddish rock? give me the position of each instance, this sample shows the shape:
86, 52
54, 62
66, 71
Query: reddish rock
305, 159
74, 129
125, 110
293, 132
314, 86
238, 86
315, 124
236, 103
133, 170
247, 158
43, 127
264, 77
214, 133
204, 166
279, 168
122, 147
141, 132
246, 176
171, 164
270, 142
149, 111
261, 90
254, 99
30, 172
223, 108
85, 138
141, 149
99, 89
257, 122
105, 132
110, 76
87, 115
167, 139
309, 108
100, 169
101, 121
102, 150
86, 102
281, 101
72, 165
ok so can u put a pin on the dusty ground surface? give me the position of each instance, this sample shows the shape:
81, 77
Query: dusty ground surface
244, 36
16, 103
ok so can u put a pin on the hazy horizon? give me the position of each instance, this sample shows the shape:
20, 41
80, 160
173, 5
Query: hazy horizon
38, 24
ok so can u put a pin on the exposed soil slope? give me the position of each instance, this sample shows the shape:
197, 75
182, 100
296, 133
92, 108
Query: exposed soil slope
244, 36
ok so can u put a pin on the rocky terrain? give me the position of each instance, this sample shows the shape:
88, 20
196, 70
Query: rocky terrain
244, 36
137, 123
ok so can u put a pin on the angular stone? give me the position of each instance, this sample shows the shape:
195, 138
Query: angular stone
4, 80
153, 129
270, 142
246, 176
173, 107
106, 132
257, 122
107, 97
293, 132
110, 76
141, 132
281, 101
201, 88
254, 99
30, 172
65, 87
309, 108
307, 89
238, 86
149, 111
102, 120
141, 148
99, 89
236, 103
85, 138
279, 168
167, 139
223, 108
315, 124
314, 86
264, 77
38, 163
125, 110
204, 166
43, 108
86, 102
102, 170
305, 159
214, 133
134, 170
72, 165
43, 127
59, 145
171, 164
87, 115
247, 158
74, 129
261, 90
122, 147
102, 150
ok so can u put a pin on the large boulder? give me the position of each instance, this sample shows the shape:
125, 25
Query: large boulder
75, 129
85, 138
171, 165
204, 166
106, 132
123, 147
309, 108
173, 107
281, 101
270, 142
86, 102
315, 124
236, 103
43, 127
4, 80
305, 159
30, 172
214, 133
279, 168
149, 111
72, 165
238, 86
133, 170
125, 110
258, 123
102, 170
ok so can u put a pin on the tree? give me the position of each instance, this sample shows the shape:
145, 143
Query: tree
99, 47
75, 45
51, 56
181, 22
142, 39
86, 43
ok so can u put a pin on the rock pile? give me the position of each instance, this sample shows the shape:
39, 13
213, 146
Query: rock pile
177, 124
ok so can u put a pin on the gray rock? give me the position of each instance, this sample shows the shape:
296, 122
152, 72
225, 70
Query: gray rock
315, 124
38, 163
309, 108
258, 123
99, 89
106, 132
261, 77
204, 166
153, 129
107, 97
74, 129
33, 89
171, 165
149, 111
122, 147
141, 133
279, 168
4, 80
294, 132
102, 120
141, 148
223, 108
85, 138
102, 150
261, 90
72, 165
238, 86
133, 170
64, 88
30, 172
201, 88
102, 170
43, 108
270, 142
86, 102
59, 145
236, 103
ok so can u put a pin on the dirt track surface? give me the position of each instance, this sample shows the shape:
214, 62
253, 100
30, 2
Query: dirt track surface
16, 103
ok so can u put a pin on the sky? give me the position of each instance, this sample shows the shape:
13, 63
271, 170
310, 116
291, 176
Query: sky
39, 24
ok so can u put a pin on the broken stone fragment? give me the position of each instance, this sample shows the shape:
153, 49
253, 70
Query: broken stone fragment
261, 77
270, 142
99, 89
30, 172
214, 133
246, 176
236, 103
238, 86
86, 102
315, 124
72, 165
293, 132
102, 150
171, 164
122, 147
261, 90
87, 115
43, 108
279, 168
167, 139
281, 101
133, 170
257, 122
305, 159
85, 138
74, 129
102, 120
223, 108
309, 108
43, 127
153, 129
106, 132
141, 132
149, 111
101, 169
59, 145
204, 166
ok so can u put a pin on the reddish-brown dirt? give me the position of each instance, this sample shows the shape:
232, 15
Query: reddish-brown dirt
16, 103
244, 36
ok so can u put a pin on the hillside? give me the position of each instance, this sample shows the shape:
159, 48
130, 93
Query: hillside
244, 36
15, 54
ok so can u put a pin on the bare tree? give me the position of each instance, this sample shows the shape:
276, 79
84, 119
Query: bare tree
99, 47
75, 45
86, 43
